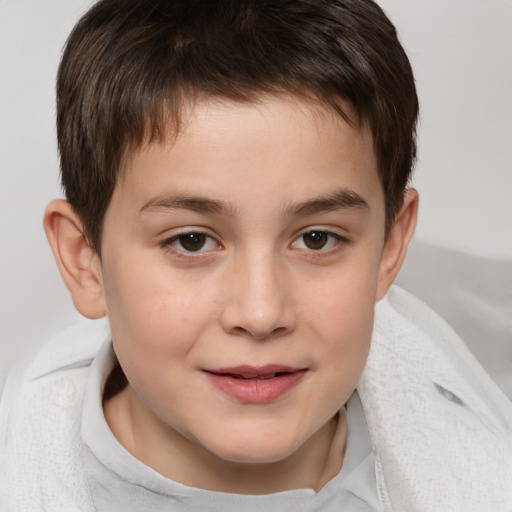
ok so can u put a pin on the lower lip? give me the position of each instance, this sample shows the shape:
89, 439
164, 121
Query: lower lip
256, 391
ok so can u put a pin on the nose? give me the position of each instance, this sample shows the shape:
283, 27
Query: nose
258, 300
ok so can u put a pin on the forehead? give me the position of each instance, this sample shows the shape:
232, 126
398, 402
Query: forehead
283, 148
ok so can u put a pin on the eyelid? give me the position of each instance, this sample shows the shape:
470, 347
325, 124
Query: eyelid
340, 239
167, 242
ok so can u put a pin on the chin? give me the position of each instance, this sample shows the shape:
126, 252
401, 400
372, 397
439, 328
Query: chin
256, 451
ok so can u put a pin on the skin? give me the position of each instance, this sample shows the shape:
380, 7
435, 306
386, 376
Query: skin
255, 179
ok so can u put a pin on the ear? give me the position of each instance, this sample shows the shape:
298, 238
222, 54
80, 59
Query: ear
395, 246
78, 263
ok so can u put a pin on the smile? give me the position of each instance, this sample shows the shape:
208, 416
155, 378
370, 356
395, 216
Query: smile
255, 385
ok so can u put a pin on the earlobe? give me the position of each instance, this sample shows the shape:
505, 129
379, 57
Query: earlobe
78, 263
395, 247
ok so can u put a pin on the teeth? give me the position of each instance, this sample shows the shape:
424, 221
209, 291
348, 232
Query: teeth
257, 377
252, 376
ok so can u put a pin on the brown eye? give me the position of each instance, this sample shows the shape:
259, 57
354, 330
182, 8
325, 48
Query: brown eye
192, 242
315, 240
318, 240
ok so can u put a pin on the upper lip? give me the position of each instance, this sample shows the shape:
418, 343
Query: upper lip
253, 372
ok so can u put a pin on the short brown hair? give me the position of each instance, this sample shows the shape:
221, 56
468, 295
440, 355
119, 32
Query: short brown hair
129, 66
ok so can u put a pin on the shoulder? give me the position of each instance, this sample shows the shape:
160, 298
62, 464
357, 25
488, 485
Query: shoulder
40, 412
440, 427
73, 347
427, 344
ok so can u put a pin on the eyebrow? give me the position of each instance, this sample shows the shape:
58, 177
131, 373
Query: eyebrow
340, 200
192, 203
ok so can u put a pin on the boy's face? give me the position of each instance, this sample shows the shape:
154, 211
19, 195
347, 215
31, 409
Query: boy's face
240, 268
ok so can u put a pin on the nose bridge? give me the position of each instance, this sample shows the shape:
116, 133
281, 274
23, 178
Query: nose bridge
259, 303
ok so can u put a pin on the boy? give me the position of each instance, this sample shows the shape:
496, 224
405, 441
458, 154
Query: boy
236, 180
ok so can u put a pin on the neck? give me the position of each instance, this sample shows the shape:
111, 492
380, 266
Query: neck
180, 459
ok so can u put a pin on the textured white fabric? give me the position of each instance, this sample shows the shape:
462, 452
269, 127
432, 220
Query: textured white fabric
440, 428
41, 451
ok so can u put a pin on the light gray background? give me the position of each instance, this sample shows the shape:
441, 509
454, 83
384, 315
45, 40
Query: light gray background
461, 51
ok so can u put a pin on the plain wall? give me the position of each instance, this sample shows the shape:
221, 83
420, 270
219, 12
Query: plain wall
461, 51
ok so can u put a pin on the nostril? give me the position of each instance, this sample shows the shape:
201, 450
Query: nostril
259, 335
279, 331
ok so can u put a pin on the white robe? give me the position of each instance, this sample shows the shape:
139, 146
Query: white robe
441, 430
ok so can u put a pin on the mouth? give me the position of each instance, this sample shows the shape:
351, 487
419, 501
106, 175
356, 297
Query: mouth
259, 377
255, 385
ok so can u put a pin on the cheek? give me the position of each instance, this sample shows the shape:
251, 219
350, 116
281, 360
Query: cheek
349, 338
342, 317
154, 329
345, 300
154, 312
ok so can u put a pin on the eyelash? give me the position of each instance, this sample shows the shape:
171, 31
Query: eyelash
168, 243
334, 238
